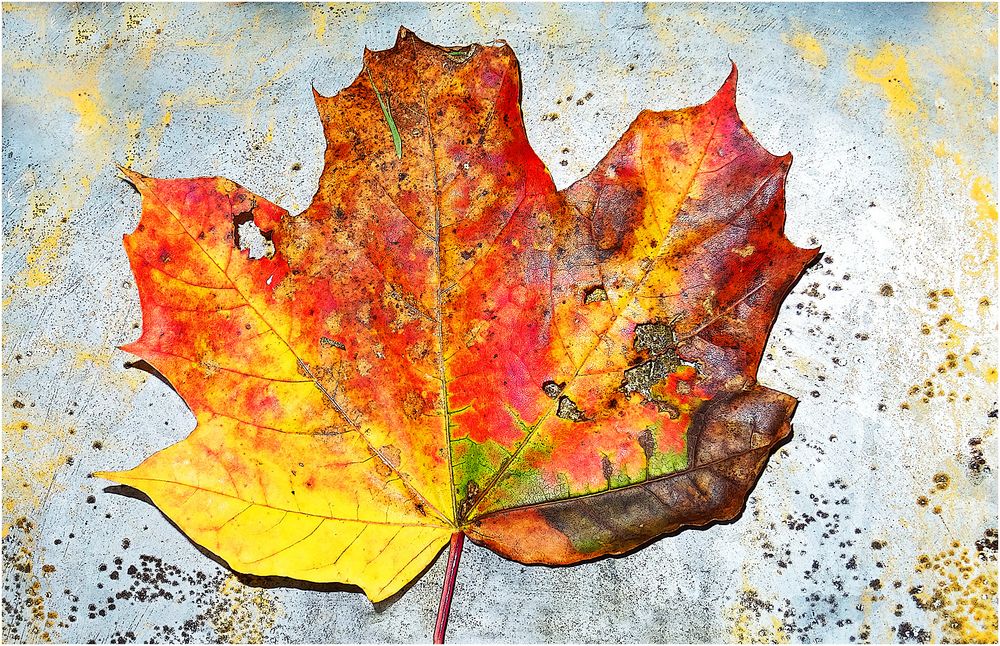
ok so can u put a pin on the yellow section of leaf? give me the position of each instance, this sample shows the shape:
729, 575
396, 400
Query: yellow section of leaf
233, 334
277, 478
310, 507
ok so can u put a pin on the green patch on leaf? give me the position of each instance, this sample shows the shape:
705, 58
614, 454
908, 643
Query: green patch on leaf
387, 113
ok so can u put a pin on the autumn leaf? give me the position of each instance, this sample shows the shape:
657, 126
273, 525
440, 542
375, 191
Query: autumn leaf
444, 345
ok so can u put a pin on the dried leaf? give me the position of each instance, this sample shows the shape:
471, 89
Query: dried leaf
442, 342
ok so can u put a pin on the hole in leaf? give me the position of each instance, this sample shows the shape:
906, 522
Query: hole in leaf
552, 389
595, 295
641, 378
658, 342
249, 237
568, 410
655, 338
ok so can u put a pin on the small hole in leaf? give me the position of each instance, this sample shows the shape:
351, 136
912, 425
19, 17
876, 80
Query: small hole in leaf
568, 409
249, 237
595, 294
552, 389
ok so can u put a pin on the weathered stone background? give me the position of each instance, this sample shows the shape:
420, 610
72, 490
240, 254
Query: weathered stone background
877, 522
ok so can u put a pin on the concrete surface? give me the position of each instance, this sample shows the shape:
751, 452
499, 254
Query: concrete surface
877, 522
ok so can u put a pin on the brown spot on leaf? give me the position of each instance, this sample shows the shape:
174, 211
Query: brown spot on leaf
607, 469
647, 442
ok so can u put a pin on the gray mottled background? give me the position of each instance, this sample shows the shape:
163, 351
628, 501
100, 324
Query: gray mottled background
877, 522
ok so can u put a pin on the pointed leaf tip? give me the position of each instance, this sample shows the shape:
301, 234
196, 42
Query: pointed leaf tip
316, 95
132, 177
727, 91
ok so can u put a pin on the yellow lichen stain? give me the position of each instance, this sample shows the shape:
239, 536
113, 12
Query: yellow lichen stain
751, 620
959, 19
361, 13
133, 126
28, 484
558, 23
960, 588
962, 358
87, 104
985, 198
33, 590
985, 224
38, 260
950, 114
99, 357
982, 257
318, 15
666, 35
807, 46
733, 28
252, 613
148, 27
889, 70
489, 16
80, 87
956, 583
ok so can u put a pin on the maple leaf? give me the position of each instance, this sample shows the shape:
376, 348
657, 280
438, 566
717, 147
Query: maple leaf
444, 345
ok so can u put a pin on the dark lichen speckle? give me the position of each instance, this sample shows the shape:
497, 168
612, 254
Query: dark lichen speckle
907, 634
977, 465
986, 547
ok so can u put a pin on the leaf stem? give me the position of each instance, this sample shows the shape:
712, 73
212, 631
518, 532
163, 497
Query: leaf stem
448, 589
